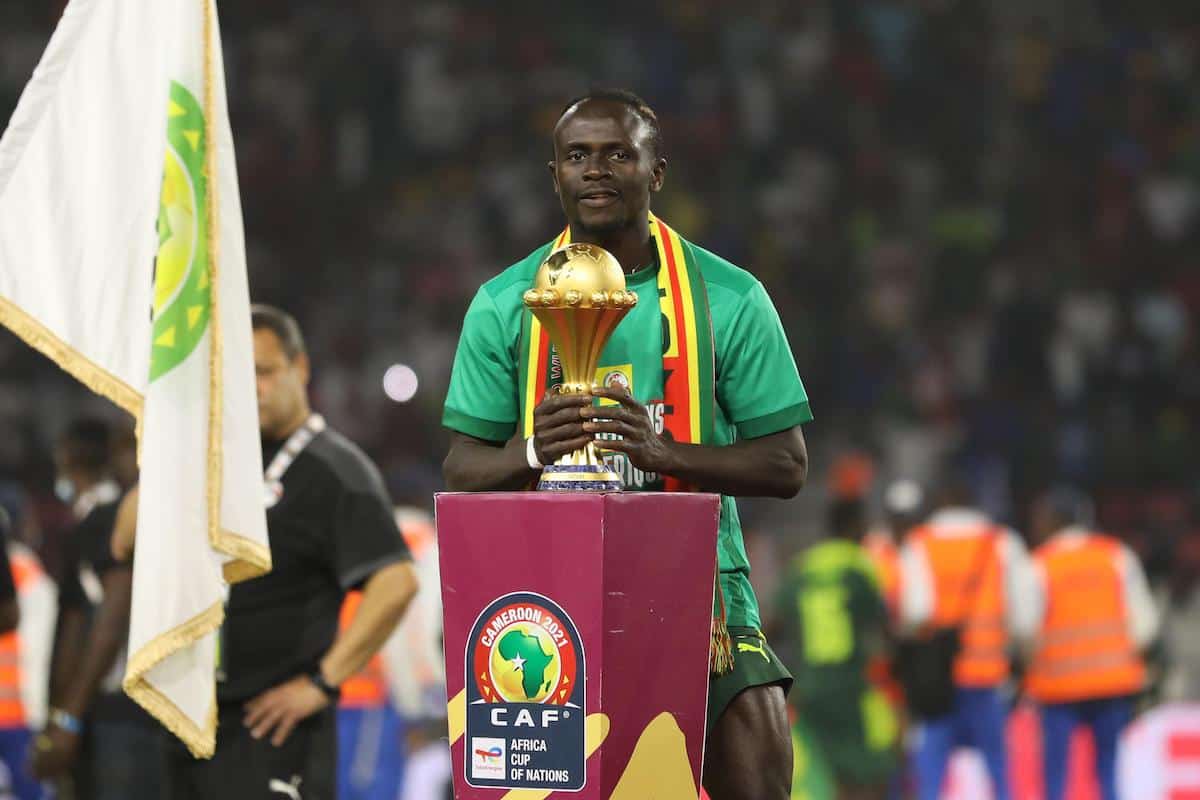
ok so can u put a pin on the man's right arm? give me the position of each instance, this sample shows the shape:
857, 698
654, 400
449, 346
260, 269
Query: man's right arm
477, 465
480, 465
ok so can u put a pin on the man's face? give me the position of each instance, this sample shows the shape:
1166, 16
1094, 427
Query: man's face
604, 166
282, 383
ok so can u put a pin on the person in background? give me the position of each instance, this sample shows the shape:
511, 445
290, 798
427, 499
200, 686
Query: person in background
903, 509
95, 737
370, 758
832, 603
1095, 619
27, 651
961, 568
283, 659
14, 727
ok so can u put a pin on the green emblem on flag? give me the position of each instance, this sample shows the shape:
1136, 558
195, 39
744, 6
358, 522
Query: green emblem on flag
181, 284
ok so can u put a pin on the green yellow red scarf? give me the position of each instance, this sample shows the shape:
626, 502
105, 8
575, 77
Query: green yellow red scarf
689, 371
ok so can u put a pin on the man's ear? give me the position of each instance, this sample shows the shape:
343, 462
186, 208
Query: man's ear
658, 174
553, 174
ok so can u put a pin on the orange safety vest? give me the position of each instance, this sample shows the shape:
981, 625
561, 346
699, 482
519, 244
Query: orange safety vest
1084, 649
367, 688
982, 661
12, 710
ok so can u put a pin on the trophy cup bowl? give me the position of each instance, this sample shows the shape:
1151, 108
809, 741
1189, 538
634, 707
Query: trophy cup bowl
579, 296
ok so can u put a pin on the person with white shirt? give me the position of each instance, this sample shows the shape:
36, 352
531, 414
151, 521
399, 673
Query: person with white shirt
1095, 618
962, 569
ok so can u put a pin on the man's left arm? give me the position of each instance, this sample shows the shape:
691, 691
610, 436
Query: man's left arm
57, 751
367, 551
775, 465
758, 388
385, 598
386, 595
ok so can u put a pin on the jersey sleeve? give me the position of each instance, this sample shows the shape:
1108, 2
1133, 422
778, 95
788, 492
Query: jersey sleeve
482, 398
365, 536
758, 385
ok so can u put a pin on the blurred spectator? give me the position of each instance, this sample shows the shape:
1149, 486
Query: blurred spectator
962, 570
835, 611
96, 738
1095, 618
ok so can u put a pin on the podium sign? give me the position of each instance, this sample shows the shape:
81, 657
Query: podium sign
576, 633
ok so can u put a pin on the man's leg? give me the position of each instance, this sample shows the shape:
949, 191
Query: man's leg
1108, 719
183, 774
1058, 724
125, 761
748, 754
245, 768
935, 742
314, 758
986, 721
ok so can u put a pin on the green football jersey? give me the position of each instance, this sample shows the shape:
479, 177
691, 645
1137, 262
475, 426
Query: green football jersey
758, 389
832, 605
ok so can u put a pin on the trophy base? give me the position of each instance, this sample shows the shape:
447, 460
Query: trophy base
579, 478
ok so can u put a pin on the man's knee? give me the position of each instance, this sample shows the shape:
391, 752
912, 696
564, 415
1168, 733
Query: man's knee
749, 752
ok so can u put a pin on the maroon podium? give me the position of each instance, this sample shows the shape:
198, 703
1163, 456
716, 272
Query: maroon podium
577, 631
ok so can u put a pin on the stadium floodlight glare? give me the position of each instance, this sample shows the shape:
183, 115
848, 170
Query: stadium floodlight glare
400, 383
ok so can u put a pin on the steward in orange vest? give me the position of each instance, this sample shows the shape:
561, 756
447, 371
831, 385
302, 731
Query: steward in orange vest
25, 570
1095, 616
961, 569
1085, 647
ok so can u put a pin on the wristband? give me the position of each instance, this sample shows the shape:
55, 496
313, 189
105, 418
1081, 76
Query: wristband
531, 457
66, 721
318, 680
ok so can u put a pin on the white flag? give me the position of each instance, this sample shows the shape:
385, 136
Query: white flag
122, 258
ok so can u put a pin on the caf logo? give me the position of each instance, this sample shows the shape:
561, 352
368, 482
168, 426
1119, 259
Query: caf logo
526, 695
526, 650
616, 379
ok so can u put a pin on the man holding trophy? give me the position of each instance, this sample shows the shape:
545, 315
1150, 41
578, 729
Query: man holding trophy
697, 392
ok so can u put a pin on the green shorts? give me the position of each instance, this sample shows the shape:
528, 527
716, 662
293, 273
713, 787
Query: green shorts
754, 664
855, 732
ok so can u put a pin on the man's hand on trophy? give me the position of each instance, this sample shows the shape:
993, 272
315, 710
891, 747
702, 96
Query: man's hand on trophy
646, 448
558, 425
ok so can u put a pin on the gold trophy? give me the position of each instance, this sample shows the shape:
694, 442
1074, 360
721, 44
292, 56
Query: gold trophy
579, 296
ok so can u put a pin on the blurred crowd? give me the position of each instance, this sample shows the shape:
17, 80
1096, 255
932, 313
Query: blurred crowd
978, 219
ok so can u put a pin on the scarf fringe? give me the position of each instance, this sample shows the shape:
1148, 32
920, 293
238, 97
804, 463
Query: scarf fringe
720, 659
720, 650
